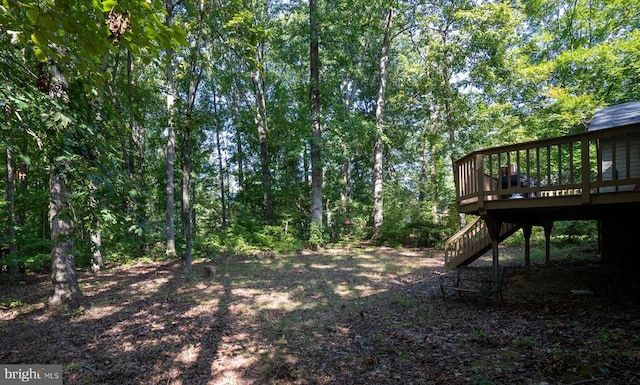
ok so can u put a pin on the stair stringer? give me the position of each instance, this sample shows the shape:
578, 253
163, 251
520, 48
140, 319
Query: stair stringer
472, 241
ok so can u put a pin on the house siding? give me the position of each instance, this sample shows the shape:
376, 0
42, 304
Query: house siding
623, 155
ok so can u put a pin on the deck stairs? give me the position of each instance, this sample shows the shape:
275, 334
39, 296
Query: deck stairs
471, 242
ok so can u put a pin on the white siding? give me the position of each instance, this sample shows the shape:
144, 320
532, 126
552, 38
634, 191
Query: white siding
620, 163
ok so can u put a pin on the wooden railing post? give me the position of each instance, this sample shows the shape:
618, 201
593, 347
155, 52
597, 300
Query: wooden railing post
458, 184
480, 180
586, 169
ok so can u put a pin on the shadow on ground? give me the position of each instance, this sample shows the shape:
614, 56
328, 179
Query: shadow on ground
360, 316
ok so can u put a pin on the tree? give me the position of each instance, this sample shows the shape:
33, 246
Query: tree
378, 205
10, 194
171, 137
271, 108
257, 79
316, 128
194, 79
69, 57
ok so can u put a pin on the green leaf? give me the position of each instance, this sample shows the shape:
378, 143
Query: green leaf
108, 5
107, 76
40, 38
40, 54
33, 15
50, 24
180, 35
25, 159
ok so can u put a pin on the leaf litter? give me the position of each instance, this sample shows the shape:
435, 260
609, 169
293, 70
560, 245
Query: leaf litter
339, 316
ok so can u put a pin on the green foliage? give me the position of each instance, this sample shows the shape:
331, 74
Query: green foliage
462, 76
38, 263
15, 265
278, 238
249, 237
10, 303
316, 236
574, 232
413, 225
413, 234
567, 234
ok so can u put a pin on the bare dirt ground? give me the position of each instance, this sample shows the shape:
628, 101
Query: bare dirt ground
348, 316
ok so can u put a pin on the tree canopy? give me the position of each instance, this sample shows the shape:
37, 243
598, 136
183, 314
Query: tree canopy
93, 91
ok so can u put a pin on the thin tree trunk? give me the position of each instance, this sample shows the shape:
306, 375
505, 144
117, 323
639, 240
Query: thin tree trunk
97, 259
137, 137
316, 128
223, 199
305, 165
171, 143
131, 152
195, 77
263, 129
433, 177
378, 203
10, 191
186, 203
239, 150
348, 94
11, 203
424, 165
23, 170
345, 193
194, 80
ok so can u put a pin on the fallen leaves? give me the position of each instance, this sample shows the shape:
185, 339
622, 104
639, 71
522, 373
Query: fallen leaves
290, 320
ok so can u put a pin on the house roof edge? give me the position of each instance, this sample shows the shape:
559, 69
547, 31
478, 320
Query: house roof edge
616, 116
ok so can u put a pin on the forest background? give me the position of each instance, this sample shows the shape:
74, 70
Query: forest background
135, 129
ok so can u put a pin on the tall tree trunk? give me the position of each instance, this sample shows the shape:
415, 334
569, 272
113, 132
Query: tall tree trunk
433, 173
23, 171
10, 196
195, 76
378, 205
97, 259
131, 150
424, 166
66, 291
171, 143
221, 172
186, 203
345, 193
11, 202
137, 164
316, 128
239, 150
348, 93
263, 129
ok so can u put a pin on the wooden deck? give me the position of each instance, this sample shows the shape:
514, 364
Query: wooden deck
592, 175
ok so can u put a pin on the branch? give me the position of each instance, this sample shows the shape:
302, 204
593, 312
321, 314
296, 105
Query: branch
30, 132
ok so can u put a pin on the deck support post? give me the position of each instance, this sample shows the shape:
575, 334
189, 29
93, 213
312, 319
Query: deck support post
547, 243
526, 231
494, 227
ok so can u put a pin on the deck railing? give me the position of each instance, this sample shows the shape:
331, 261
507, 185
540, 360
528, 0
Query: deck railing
472, 241
595, 162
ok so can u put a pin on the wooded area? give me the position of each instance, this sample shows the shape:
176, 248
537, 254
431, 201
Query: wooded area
276, 124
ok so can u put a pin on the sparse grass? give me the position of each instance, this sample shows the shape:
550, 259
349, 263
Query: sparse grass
523, 342
11, 303
357, 316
